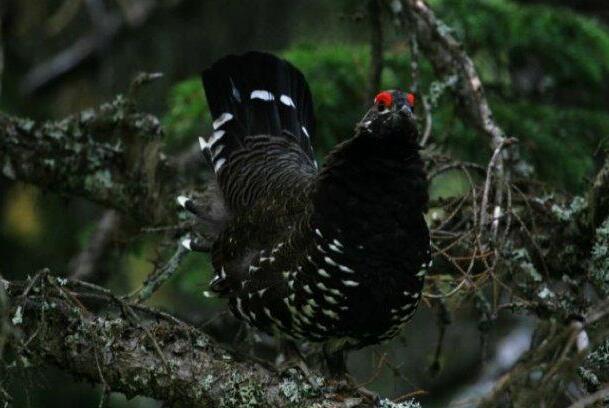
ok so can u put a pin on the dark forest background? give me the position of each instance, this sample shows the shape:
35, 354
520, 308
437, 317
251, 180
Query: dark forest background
545, 66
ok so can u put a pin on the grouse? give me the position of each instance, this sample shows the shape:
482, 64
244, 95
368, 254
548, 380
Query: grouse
335, 255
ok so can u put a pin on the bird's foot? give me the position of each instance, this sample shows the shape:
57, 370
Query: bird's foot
291, 358
369, 395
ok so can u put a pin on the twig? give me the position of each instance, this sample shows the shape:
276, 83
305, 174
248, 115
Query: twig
414, 62
157, 278
428, 121
591, 399
490, 172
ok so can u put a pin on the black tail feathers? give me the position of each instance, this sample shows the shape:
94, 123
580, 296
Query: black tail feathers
256, 93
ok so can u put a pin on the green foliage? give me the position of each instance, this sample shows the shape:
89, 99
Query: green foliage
337, 75
556, 138
187, 113
573, 51
559, 142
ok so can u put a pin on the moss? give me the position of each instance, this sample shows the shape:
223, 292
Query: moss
297, 389
599, 268
589, 378
567, 213
18, 316
242, 393
290, 390
385, 403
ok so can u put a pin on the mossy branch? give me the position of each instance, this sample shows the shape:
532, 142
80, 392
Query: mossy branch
138, 351
109, 155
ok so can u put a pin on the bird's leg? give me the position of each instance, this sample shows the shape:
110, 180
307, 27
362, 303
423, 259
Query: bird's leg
291, 357
337, 366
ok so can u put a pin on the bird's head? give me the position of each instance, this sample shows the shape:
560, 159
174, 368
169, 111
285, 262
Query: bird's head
391, 115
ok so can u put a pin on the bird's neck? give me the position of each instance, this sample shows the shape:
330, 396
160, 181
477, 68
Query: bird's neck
370, 187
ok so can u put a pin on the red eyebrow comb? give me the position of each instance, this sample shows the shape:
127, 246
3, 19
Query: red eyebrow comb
385, 98
410, 98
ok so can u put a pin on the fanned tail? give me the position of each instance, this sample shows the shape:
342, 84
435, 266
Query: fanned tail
255, 94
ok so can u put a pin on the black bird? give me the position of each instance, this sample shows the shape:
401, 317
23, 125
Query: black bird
336, 255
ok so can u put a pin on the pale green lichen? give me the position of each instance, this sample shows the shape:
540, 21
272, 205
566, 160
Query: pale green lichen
600, 355
588, 376
241, 392
100, 180
566, 213
297, 389
207, 382
596, 364
202, 341
545, 293
290, 390
522, 258
385, 403
18, 317
599, 268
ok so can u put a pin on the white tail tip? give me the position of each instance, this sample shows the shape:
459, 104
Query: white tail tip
186, 244
203, 143
182, 200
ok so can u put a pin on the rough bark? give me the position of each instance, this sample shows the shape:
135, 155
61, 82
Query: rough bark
109, 155
112, 156
138, 351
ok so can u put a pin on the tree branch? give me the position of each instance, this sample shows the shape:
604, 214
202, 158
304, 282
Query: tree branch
144, 352
447, 56
109, 155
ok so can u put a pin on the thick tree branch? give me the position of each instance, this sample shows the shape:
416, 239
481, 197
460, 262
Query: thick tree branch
109, 155
448, 57
142, 352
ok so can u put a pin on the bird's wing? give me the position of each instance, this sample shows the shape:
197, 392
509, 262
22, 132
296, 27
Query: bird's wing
263, 122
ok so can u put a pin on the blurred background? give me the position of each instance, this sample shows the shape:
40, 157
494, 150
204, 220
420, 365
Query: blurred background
545, 66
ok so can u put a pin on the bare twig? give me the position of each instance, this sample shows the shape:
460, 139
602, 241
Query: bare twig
428, 121
490, 173
157, 278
